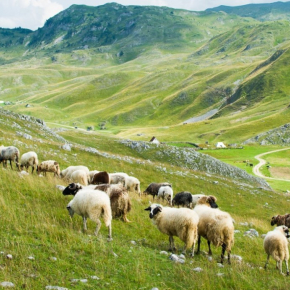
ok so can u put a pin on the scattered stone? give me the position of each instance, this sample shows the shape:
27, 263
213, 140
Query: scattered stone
31, 258
23, 172
7, 284
84, 280
9, 256
95, 278
220, 265
164, 253
198, 269
236, 231
209, 258
244, 224
154, 288
55, 288
133, 243
251, 233
236, 257
176, 259
66, 147
220, 274
60, 187
53, 259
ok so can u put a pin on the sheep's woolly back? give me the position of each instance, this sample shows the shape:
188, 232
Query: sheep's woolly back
180, 222
276, 244
66, 173
92, 204
80, 176
215, 225
29, 159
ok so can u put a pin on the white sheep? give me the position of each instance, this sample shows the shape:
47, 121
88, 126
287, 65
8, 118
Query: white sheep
133, 184
92, 174
10, 153
180, 222
92, 204
79, 176
165, 192
118, 177
29, 159
215, 226
48, 166
66, 173
276, 245
195, 198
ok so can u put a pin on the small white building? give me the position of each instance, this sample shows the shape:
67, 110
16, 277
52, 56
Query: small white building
220, 145
154, 140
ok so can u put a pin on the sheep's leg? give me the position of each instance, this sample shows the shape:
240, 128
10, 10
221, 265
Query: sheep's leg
125, 219
85, 223
198, 245
229, 257
287, 269
10, 164
110, 233
267, 261
171, 244
98, 227
223, 252
280, 267
209, 249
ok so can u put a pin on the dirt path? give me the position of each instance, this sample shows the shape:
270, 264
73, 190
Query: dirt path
256, 169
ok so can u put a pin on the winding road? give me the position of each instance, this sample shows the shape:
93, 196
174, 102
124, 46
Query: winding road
256, 169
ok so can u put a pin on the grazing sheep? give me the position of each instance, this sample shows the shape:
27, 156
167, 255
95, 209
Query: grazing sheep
281, 220
10, 153
165, 192
215, 226
91, 175
79, 176
67, 173
183, 198
48, 166
29, 159
101, 177
276, 245
180, 222
133, 184
118, 177
120, 199
92, 204
153, 188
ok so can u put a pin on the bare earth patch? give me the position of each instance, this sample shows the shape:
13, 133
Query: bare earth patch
280, 172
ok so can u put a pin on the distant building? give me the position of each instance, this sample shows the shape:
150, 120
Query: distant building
154, 140
220, 145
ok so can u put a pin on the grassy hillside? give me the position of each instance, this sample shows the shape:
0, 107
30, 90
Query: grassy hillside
49, 249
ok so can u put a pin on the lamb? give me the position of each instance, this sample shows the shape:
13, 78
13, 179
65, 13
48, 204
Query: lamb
120, 200
166, 192
66, 173
180, 222
48, 166
281, 220
10, 153
29, 159
276, 245
183, 198
92, 204
133, 184
214, 225
118, 177
153, 188
79, 176
101, 177
119, 197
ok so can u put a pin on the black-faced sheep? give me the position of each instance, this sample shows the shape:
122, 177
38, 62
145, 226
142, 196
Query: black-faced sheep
119, 197
215, 226
180, 222
281, 220
10, 153
92, 204
120, 200
29, 159
153, 188
101, 178
49, 166
183, 198
276, 245
166, 193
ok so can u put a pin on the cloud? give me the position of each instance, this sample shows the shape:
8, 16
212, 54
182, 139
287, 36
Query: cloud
27, 13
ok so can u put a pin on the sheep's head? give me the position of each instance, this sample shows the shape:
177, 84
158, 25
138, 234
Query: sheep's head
283, 229
274, 220
72, 189
210, 201
154, 209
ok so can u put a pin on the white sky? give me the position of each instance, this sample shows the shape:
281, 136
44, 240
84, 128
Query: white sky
33, 13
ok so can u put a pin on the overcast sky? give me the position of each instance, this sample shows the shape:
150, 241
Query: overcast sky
33, 13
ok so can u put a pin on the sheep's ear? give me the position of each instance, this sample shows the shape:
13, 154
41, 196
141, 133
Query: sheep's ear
148, 208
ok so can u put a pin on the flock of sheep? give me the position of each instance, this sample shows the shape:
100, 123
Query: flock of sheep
101, 194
